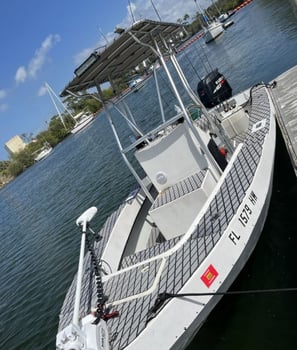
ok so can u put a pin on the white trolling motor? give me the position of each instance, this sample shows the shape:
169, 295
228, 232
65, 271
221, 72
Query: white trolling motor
85, 334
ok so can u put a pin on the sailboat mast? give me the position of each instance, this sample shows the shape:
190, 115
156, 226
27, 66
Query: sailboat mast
52, 94
202, 12
54, 103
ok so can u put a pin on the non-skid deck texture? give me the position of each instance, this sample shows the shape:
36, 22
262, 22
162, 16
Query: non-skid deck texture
88, 276
180, 189
180, 265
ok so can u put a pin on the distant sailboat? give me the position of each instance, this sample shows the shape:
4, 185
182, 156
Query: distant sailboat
212, 29
223, 17
81, 120
43, 152
55, 98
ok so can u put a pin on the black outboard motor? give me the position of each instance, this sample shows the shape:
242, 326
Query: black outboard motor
213, 89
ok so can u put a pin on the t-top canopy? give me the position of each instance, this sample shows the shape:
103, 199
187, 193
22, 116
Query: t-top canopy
123, 54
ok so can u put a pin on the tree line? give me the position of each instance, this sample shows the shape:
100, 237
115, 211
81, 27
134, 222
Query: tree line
58, 128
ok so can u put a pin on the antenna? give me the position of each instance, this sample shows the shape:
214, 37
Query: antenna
133, 19
155, 9
104, 37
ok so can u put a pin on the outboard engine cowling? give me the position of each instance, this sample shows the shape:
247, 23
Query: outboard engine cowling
213, 89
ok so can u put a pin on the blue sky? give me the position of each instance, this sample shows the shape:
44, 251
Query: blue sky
44, 41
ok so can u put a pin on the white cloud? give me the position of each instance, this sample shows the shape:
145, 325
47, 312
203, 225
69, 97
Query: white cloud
166, 10
21, 74
2, 93
103, 41
42, 91
38, 60
81, 56
40, 56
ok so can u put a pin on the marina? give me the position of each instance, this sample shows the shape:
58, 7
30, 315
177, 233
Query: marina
40, 239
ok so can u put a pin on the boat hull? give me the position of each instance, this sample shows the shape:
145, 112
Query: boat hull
43, 154
213, 31
193, 311
192, 331
165, 257
82, 125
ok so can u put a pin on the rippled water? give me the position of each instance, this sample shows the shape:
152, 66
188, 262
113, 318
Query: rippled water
40, 243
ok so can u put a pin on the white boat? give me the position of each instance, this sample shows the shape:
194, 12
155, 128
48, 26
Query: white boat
223, 17
136, 84
43, 152
213, 30
81, 122
228, 24
165, 257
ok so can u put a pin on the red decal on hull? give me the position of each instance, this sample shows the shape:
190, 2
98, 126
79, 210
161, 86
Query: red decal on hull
209, 276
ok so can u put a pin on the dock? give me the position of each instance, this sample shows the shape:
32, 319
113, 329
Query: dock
285, 96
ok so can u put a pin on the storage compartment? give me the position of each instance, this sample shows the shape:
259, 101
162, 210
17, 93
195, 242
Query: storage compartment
174, 217
235, 122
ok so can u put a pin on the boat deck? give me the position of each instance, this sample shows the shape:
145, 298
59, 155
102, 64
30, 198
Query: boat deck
286, 104
180, 264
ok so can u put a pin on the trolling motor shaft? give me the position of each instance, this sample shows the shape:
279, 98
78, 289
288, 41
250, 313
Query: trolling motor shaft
83, 334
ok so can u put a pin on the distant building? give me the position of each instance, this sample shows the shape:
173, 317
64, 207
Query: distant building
15, 144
